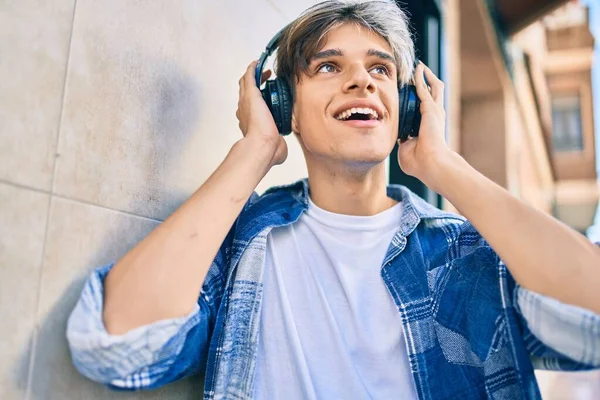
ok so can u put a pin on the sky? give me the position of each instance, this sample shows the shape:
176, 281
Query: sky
594, 5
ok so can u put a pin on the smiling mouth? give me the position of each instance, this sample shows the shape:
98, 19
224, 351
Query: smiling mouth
360, 117
358, 114
360, 123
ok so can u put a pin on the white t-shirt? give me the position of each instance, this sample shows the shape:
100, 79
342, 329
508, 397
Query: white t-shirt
329, 327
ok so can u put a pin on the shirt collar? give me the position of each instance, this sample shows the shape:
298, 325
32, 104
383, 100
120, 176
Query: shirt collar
285, 204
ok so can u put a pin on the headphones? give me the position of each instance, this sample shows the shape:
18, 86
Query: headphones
278, 97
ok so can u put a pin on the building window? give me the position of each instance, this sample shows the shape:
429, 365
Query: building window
566, 123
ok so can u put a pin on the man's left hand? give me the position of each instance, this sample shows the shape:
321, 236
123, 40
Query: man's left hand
419, 156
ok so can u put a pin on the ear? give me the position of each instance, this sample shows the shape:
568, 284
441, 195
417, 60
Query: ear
295, 127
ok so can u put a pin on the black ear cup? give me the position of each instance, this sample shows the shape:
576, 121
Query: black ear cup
410, 115
286, 106
278, 97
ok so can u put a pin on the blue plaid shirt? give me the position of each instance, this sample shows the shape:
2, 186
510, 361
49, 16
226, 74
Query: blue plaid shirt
471, 331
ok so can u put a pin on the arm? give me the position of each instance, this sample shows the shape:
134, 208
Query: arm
558, 336
142, 323
159, 346
556, 270
542, 254
161, 277
143, 358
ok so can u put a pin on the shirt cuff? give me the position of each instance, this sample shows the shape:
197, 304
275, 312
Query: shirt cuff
570, 330
106, 358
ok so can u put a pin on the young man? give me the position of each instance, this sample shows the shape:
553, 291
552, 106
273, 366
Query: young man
337, 286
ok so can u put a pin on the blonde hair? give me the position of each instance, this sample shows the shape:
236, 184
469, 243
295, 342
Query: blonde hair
306, 35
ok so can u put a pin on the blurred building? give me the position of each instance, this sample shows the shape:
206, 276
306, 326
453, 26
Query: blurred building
568, 65
520, 101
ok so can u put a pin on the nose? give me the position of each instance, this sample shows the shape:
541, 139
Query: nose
360, 80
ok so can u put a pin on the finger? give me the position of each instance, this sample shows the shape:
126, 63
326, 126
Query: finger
265, 76
241, 84
249, 82
437, 86
422, 88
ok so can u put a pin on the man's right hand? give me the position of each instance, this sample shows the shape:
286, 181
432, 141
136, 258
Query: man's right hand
255, 119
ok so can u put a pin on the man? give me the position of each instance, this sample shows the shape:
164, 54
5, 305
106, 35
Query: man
337, 286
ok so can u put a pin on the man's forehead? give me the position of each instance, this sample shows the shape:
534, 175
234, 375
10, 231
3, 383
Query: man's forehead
355, 31
336, 39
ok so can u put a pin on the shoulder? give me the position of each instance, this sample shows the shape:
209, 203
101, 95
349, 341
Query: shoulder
441, 234
290, 193
418, 206
430, 219
278, 205
297, 191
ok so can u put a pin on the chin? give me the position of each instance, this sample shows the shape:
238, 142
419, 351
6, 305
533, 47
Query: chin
368, 150
366, 157
372, 152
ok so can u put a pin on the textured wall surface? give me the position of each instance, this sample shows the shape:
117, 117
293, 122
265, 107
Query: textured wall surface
111, 114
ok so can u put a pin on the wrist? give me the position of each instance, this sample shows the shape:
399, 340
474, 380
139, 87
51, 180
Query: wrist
261, 149
441, 169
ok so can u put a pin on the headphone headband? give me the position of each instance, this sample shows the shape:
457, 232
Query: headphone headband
271, 46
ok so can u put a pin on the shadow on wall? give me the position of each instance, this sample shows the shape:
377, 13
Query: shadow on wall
173, 110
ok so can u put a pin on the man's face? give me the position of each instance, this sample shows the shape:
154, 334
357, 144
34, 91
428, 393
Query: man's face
353, 75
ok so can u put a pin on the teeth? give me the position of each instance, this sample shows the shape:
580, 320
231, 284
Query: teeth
357, 110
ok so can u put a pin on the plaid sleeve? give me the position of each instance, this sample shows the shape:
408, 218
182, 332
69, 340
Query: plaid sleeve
558, 336
152, 355
146, 357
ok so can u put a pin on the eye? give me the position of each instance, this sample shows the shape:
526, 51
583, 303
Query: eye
326, 67
384, 70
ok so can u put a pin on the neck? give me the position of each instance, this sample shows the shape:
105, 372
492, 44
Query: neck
350, 192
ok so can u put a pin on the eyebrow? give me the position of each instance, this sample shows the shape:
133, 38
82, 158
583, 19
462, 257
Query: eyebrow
340, 53
381, 54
